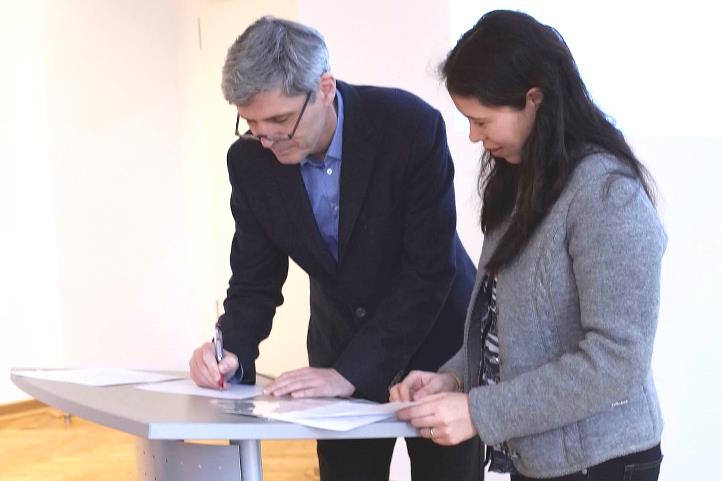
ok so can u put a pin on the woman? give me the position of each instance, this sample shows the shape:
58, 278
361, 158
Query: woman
554, 375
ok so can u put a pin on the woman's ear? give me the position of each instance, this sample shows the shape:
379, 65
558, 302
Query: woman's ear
535, 96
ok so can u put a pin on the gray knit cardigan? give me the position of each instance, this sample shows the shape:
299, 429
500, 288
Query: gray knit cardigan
577, 318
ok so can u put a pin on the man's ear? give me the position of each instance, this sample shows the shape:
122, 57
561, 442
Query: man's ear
327, 89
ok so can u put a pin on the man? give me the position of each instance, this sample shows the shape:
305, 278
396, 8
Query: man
355, 184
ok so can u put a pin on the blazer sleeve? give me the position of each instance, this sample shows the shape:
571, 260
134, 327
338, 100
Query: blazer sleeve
258, 272
615, 242
385, 343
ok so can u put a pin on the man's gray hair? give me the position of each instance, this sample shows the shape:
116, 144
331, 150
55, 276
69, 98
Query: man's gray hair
274, 53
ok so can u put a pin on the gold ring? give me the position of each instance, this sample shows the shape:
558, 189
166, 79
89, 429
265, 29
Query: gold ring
431, 433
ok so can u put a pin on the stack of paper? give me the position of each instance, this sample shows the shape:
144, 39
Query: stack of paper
97, 376
324, 413
186, 386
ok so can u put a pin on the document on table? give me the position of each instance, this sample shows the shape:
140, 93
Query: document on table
96, 376
324, 413
186, 386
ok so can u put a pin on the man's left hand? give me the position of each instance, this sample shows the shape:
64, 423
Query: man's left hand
310, 382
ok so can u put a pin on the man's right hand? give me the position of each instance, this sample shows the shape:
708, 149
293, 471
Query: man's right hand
206, 372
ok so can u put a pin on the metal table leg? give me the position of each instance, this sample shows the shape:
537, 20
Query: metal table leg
251, 464
185, 461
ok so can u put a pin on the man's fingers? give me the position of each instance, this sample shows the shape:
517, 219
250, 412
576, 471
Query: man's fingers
215, 378
228, 365
285, 386
204, 368
278, 383
313, 381
200, 373
309, 392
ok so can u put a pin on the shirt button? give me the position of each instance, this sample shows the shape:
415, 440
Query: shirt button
360, 312
329, 171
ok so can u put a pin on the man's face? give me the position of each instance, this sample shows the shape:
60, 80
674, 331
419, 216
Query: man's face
271, 116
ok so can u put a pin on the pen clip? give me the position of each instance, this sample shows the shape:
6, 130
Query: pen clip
218, 344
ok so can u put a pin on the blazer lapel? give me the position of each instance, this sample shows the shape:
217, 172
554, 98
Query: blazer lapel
356, 165
299, 209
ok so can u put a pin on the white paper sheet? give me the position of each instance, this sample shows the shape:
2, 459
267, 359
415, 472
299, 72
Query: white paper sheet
333, 424
324, 413
187, 386
95, 376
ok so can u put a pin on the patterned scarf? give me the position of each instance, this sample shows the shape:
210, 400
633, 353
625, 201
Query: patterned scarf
496, 456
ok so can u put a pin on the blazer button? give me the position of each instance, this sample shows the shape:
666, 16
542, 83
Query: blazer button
360, 312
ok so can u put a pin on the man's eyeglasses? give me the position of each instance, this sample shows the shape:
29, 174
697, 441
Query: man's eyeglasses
274, 138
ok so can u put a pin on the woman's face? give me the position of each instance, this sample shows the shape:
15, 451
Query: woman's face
502, 130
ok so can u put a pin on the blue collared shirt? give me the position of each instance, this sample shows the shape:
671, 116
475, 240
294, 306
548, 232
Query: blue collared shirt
322, 178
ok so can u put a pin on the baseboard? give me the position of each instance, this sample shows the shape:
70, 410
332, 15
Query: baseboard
20, 407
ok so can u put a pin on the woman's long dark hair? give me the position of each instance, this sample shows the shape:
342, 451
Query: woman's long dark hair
497, 62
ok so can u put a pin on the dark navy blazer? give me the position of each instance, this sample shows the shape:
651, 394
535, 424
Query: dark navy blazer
396, 299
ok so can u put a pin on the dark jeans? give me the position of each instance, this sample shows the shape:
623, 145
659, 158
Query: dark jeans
641, 466
369, 460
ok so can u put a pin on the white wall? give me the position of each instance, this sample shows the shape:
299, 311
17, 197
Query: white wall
29, 301
110, 254
120, 153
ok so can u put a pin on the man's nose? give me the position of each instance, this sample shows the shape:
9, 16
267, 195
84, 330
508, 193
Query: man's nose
266, 142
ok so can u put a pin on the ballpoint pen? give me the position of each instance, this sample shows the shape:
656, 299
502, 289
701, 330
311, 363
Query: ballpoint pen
218, 343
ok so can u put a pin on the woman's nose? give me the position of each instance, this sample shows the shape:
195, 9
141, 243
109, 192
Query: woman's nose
476, 135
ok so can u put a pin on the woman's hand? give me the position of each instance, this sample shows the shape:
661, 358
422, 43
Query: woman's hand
419, 384
444, 418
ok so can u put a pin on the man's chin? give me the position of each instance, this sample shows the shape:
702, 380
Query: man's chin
288, 158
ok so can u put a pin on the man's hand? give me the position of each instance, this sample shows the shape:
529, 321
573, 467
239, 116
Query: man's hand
419, 384
444, 418
310, 382
206, 372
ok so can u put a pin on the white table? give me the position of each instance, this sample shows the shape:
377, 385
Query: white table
165, 423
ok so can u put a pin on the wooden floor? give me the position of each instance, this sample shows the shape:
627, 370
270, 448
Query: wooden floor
40, 445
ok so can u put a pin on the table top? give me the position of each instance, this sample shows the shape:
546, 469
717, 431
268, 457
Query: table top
155, 415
